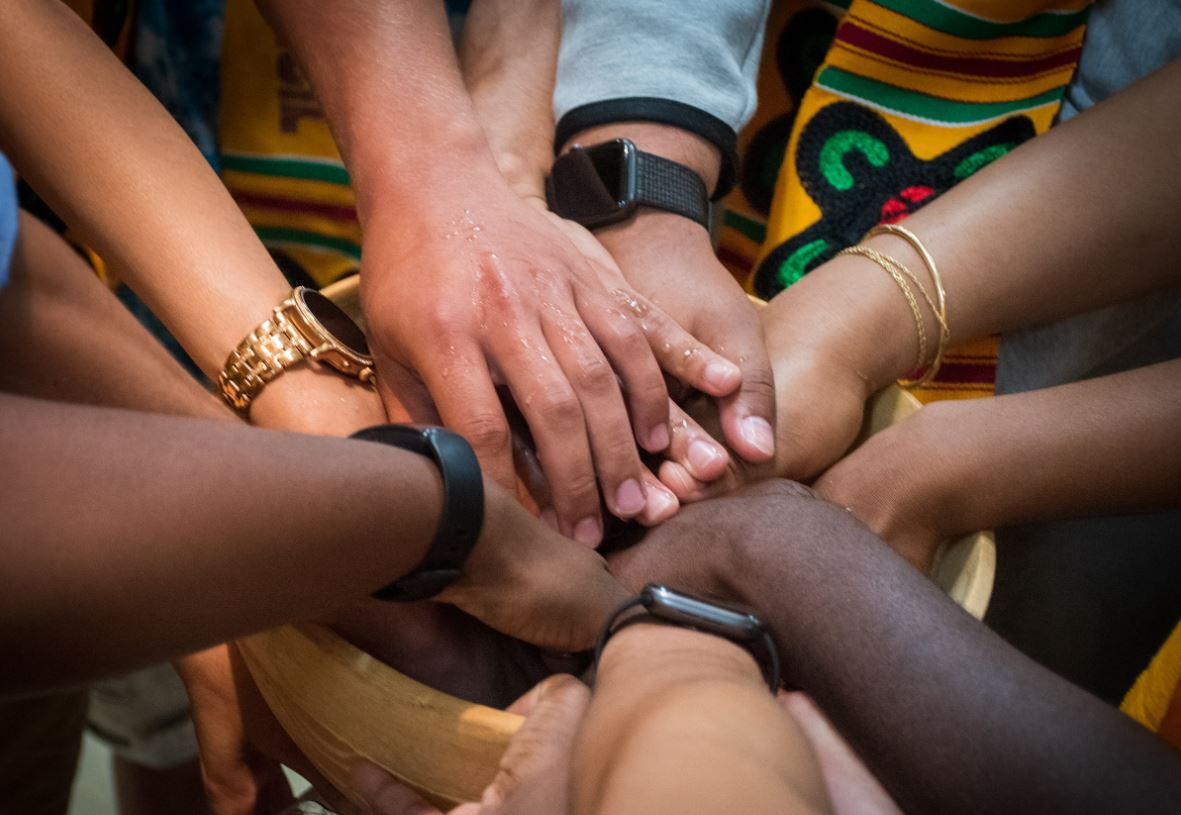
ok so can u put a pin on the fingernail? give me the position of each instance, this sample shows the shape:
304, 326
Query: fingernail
588, 532
757, 431
702, 455
550, 518
721, 374
658, 438
629, 498
663, 502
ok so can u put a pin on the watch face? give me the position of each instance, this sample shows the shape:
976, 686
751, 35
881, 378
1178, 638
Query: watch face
596, 185
335, 322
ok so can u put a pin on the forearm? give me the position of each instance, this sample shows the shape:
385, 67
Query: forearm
388, 78
677, 719
156, 535
948, 716
1102, 446
1074, 220
109, 160
508, 55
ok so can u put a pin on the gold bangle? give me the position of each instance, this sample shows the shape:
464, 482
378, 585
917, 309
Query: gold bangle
940, 293
890, 266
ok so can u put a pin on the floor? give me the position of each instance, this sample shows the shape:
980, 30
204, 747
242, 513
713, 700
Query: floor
94, 789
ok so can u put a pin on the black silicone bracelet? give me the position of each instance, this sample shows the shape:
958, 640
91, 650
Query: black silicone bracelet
461, 519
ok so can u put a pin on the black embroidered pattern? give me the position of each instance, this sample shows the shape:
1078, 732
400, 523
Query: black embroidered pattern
860, 172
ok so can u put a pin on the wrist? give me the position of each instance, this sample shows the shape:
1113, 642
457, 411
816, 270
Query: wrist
310, 399
851, 312
654, 654
386, 178
666, 141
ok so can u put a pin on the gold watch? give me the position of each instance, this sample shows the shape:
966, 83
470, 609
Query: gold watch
307, 325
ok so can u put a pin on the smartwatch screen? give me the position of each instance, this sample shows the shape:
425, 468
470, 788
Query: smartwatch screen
596, 185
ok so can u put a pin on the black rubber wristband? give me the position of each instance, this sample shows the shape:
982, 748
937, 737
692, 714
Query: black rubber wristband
461, 519
662, 111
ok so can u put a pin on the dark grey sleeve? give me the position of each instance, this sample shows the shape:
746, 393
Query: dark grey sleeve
689, 63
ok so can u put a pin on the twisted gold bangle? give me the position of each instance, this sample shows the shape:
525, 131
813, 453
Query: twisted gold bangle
891, 266
940, 293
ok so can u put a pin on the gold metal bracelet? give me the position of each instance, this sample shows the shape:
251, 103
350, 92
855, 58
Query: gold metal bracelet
888, 264
940, 293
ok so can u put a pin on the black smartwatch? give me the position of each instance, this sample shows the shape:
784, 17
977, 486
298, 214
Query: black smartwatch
463, 507
664, 605
604, 184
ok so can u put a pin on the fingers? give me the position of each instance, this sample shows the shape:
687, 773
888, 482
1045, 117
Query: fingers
694, 449
677, 351
467, 403
623, 342
608, 430
748, 416
662, 502
556, 420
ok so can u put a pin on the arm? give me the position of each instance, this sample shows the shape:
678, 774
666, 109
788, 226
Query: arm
112, 162
150, 493
1106, 445
440, 219
161, 491
1029, 239
678, 82
948, 716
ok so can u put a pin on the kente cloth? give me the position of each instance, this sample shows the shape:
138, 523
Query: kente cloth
1155, 699
878, 111
278, 157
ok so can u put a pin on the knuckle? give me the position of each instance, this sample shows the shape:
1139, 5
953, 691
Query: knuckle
758, 381
559, 406
487, 431
582, 485
594, 375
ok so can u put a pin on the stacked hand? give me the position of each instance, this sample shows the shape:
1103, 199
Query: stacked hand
477, 289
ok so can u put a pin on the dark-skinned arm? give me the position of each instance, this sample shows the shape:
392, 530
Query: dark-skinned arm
947, 715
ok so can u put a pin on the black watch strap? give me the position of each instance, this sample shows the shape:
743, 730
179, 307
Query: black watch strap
670, 186
462, 517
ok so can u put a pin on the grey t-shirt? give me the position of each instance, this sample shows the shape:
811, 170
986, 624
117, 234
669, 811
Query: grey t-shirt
1126, 40
703, 53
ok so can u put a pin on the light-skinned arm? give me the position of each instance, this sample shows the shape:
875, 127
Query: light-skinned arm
466, 287
118, 169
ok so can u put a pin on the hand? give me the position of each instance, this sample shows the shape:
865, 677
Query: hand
477, 288
527, 581
534, 777
898, 482
821, 341
241, 743
669, 259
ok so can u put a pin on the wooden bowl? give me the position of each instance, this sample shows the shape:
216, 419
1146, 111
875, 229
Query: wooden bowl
339, 704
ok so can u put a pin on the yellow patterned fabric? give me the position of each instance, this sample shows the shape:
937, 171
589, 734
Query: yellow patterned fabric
912, 97
1154, 700
278, 157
